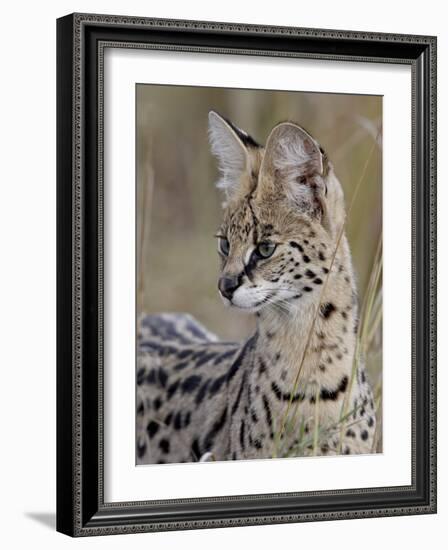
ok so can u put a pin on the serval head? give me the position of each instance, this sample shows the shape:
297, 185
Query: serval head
283, 216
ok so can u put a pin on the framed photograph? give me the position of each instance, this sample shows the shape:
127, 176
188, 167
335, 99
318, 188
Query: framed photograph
246, 274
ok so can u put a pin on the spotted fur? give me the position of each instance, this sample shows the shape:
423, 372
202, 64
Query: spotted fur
198, 397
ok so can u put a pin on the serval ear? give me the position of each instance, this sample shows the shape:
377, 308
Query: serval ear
295, 165
231, 146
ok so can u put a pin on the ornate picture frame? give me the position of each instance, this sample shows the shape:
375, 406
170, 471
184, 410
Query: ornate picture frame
81, 506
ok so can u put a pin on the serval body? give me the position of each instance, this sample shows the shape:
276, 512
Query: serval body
291, 389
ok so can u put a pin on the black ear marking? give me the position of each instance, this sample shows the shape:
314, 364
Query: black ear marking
246, 139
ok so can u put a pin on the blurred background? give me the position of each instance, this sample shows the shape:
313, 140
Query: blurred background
179, 208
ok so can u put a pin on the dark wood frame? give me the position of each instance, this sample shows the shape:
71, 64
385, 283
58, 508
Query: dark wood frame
81, 39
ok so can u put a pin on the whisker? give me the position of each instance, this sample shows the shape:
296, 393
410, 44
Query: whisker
279, 289
281, 304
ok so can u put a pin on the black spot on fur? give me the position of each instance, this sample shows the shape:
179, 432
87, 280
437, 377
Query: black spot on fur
297, 276
296, 245
286, 396
276, 390
191, 383
306, 259
151, 377
168, 419
202, 392
182, 354
181, 366
140, 376
239, 360
157, 403
177, 424
350, 433
152, 428
198, 354
317, 281
163, 377
364, 435
321, 257
172, 389
268, 413
370, 422
307, 289
217, 383
223, 356
187, 419
164, 445
242, 434
215, 429
310, 274
327, 309
205, 359
238, 397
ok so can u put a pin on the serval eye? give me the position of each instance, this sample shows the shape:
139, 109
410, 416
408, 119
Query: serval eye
223, 246
265, 250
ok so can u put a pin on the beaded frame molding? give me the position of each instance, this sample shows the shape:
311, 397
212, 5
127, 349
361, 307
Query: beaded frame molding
81, 39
